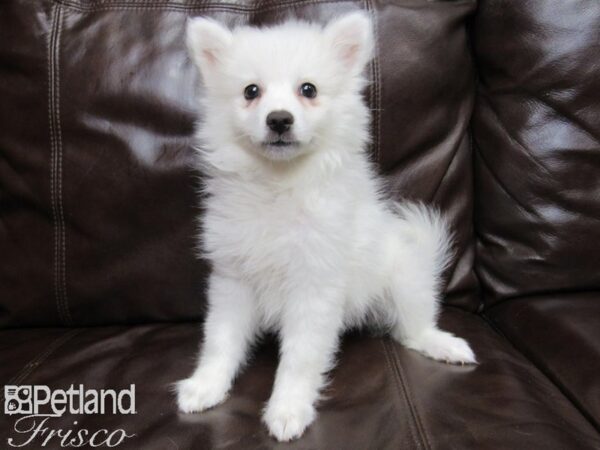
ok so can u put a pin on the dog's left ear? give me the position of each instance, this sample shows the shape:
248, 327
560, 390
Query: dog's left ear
352, 39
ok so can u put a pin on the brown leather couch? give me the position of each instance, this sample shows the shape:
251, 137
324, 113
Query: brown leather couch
489, 109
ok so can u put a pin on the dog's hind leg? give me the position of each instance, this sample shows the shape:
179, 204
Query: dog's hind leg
423, 254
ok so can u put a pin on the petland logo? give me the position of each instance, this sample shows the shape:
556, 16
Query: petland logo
39, 405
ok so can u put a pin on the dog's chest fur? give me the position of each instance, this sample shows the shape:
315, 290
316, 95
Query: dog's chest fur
259, 229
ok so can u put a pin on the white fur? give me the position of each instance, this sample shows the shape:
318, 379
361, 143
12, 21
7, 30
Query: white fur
301, 240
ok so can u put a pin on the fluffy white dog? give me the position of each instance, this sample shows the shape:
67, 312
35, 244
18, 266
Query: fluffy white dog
300, 237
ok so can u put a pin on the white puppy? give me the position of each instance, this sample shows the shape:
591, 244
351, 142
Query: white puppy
300, 238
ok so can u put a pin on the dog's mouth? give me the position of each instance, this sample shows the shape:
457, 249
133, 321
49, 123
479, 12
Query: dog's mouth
280, 143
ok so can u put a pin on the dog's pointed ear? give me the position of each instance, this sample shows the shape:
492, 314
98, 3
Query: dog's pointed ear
351, 36
207, 43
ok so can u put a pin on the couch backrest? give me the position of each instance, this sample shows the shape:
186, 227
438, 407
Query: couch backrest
536, 129
97, 201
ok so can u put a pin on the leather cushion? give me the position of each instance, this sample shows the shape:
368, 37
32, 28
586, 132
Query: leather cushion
560, 333
381, 395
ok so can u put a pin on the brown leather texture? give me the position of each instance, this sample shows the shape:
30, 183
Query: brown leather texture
489, 109
560, 333
536, 129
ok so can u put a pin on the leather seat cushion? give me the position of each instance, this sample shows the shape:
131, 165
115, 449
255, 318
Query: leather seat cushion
381, 395
561, 334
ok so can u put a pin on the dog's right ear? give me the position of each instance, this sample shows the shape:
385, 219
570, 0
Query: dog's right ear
207, 42
351, 37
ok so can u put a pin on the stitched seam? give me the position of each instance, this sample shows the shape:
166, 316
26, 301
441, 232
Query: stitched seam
60, 288
59, 164
408, 396
390, 366
168, 5
55, 226
204, 7
377, 111
375, 88
38, 360
373, 146
412, 404
179, 7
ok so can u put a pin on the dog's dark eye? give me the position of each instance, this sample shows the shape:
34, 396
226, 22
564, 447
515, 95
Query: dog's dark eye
308, 90
251, 92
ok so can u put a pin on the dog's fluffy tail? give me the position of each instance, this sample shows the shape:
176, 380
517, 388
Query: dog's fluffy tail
427, 228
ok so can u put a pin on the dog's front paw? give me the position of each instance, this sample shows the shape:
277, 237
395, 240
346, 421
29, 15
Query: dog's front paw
287, 419
443, 346
196, 394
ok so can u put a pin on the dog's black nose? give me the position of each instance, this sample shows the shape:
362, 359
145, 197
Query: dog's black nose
280, 121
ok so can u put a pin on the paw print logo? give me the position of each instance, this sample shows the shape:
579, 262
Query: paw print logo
11, 407
17, 399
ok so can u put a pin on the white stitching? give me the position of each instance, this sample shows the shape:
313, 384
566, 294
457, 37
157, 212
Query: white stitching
59, 160
53, 158
374, 88
60, 288
377, 83
390, 363
410, 402
135, 6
